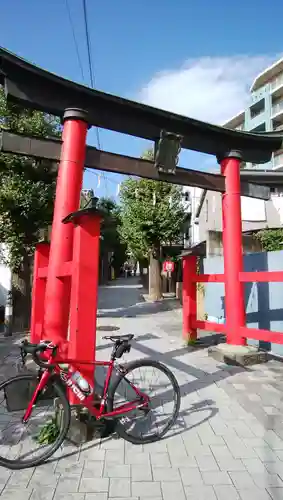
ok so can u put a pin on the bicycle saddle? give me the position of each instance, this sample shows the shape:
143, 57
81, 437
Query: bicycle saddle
120, 338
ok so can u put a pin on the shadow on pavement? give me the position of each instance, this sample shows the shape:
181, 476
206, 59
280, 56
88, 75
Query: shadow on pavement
206, 340
178, 428
123, 298
181, 426
202, 379
171, 358
119, 294
140, 308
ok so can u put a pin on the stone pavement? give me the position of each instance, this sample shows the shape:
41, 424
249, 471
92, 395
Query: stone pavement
227, 443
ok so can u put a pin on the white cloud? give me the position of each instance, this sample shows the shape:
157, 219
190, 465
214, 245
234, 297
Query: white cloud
212, 89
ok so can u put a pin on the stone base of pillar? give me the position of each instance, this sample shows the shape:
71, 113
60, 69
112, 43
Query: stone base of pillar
237, 354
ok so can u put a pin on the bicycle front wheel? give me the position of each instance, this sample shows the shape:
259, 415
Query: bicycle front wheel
29, 444
149, 424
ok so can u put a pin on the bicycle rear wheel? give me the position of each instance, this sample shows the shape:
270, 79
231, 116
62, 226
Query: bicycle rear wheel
27, 445
152, 423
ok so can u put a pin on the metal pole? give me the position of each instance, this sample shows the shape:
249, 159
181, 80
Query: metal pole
69, 185
232, 248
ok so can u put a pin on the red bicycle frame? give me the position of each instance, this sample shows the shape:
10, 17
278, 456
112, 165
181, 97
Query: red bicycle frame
82, 399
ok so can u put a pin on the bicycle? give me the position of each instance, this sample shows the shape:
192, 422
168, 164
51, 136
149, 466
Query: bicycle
31, 392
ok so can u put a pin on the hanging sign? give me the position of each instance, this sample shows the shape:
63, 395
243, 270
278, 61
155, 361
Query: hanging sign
168, 266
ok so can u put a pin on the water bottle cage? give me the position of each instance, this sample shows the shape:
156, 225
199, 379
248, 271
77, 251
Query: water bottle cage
122, 349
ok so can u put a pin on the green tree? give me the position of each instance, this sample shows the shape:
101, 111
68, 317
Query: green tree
110, 236
270, 239
26, 197
152, 214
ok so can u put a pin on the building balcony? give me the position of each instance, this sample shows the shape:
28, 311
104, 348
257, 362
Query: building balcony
277, 112
276, 86
259, 128
257, 122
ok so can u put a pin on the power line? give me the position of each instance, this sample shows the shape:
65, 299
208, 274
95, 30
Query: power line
91, 72
106, 180
75, 39
105, 177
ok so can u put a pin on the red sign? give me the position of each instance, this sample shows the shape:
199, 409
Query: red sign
168, 266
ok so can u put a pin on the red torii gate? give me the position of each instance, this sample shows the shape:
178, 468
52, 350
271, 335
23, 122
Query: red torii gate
66, 273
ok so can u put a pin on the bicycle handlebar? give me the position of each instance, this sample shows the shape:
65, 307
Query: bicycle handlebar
34, 350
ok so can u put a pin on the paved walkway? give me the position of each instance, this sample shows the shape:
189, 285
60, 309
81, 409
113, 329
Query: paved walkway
227, 444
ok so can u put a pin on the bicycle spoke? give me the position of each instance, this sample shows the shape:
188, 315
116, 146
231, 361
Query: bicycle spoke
32, 441
155, 384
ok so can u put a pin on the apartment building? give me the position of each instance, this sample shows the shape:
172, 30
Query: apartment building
264, 114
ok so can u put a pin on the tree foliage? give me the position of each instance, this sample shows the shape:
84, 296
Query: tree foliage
152, 214
110, 236
27, 189
270, 239
26, 185
109, 223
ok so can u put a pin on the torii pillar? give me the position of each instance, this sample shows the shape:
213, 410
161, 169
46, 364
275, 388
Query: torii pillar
68, 190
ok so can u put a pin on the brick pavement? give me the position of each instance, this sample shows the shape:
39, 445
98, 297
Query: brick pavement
228, 441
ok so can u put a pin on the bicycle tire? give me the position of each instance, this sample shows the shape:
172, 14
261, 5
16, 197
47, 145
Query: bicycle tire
58, 391
119, 428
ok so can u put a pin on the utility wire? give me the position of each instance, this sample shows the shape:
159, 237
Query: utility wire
105, 177
91, 72
75, 39
106, 180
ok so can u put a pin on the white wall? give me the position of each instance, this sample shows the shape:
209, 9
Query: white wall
256, 214
277, 200
195, 194
5, 276
254, 210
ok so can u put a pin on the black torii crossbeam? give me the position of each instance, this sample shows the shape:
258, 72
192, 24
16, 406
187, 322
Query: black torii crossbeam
36, 88
49, 149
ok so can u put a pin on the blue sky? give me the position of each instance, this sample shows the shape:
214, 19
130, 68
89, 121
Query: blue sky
196, 57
